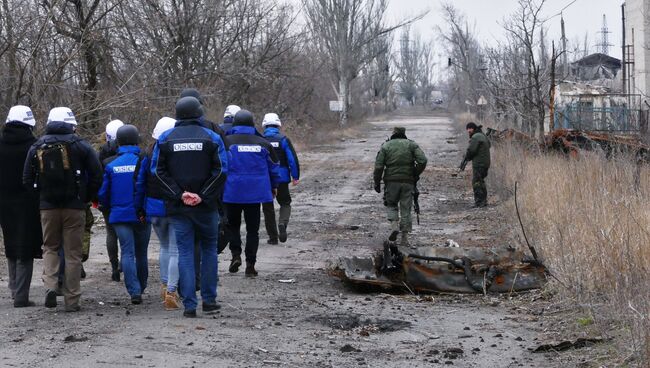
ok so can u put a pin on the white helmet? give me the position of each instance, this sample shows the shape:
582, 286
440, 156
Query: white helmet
231, 110
111, 129
61, 114
271, 119
22, 114
163, 125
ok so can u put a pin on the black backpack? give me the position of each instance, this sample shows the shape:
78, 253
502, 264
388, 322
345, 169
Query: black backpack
58, 180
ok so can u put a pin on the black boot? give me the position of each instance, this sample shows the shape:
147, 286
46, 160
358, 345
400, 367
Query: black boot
235, 263
115, 273
250, 270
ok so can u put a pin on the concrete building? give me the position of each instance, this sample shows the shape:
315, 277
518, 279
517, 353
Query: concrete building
637, 49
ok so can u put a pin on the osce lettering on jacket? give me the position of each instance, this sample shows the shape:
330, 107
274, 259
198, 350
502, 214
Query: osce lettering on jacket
124, 169
275, 144
180, 147
253, 149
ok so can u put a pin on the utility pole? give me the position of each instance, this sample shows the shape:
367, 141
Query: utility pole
565, 63
551, 122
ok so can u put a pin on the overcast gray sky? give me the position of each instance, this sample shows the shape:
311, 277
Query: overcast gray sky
584, 16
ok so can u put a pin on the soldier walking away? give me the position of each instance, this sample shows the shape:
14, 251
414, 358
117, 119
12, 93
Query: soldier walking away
19, 214
157, 213
107, 153
191, 163
289, 171
479, 153
123, 195
252, 180
66, 172
400, 162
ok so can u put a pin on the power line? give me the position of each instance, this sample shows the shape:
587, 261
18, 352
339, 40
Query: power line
561, 11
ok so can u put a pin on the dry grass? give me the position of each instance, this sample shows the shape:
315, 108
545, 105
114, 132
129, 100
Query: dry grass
592, 227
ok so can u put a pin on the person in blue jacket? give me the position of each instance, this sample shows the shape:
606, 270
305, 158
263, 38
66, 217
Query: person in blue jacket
123, 196
252, 180
161, 223
289, 173
191, 163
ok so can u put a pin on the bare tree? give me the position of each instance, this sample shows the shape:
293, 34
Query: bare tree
343, 30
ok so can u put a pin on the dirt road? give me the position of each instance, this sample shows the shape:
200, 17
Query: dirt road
314, 321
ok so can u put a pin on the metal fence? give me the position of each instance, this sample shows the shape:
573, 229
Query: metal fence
610, 119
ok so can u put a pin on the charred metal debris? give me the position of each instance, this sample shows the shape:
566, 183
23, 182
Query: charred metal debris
436, 270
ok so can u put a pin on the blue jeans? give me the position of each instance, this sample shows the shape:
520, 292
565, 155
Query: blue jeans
205, 227
134, 240
168, 252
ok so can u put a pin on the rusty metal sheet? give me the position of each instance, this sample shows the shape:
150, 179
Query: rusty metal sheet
434, 269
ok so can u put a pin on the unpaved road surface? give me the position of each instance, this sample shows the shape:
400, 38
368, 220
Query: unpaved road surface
315, 321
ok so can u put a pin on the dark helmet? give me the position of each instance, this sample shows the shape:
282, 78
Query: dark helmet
128, 135
244, 118
188, 108
192, 92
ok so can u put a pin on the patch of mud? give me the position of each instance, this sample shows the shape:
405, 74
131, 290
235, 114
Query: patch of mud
347, 322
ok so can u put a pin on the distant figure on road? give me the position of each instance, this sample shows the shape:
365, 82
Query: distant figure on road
400, 161
479, 153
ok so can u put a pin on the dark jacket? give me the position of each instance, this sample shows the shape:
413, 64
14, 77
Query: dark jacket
154, 204
107, 150
253, 168
83, 158
286, 154
190, 158
479, 151
121, 193
399, 160
19, 213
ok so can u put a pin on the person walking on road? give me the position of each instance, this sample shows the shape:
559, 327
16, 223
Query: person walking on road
399, 162
253, 179
229, 118
107, 153
156, 211
123, 196
191, 163
479, 153
289, 171
19, 214
66, 172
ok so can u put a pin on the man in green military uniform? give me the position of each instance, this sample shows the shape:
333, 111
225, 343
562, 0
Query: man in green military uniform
479, 153
400, 161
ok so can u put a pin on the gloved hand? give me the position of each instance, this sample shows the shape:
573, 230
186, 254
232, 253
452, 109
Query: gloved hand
462, 165
378, 187
142, 216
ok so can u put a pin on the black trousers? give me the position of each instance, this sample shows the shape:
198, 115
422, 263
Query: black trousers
20, 278
252, 218
284, 200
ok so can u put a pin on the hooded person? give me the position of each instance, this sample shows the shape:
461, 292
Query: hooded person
66, 172
19, 212
253, 179
123, 195
191, 163
399, 163
107, 153
157, 214
478, 152
289, 171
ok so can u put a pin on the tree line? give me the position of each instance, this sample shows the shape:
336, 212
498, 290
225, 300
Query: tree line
130, 59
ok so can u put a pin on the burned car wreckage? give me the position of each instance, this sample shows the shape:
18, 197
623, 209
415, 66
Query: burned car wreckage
438, 269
